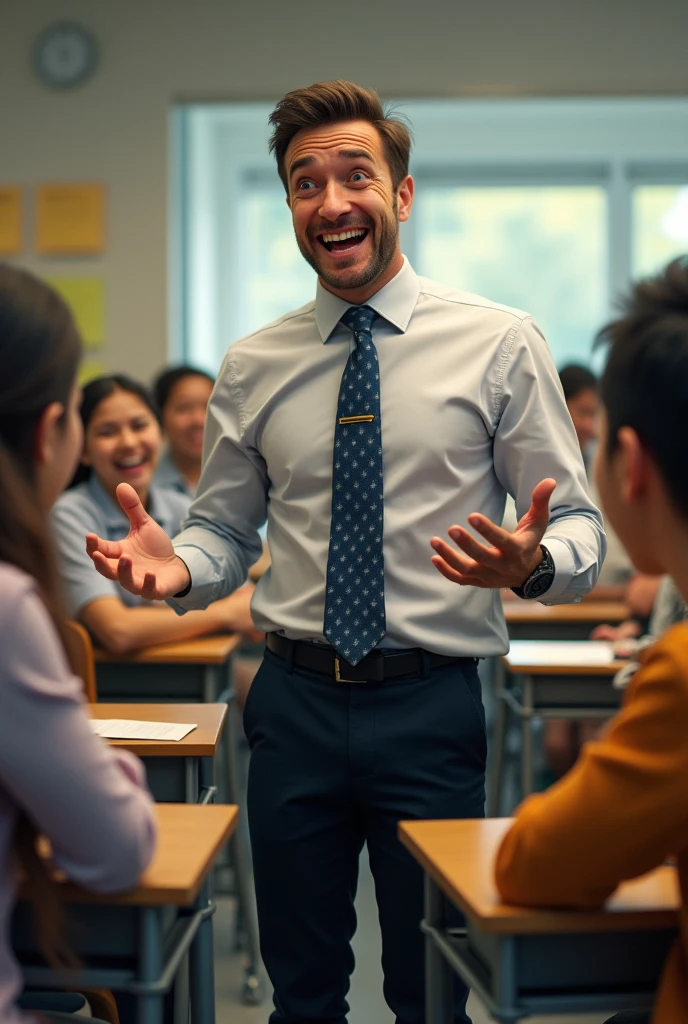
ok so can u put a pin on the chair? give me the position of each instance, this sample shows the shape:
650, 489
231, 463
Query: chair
80, 651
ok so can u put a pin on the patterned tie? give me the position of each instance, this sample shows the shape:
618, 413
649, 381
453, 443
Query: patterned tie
355, 600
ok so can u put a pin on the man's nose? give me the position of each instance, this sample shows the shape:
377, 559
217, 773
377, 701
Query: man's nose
334, 202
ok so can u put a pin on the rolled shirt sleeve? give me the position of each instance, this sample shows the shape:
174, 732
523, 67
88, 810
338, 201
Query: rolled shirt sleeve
535, 439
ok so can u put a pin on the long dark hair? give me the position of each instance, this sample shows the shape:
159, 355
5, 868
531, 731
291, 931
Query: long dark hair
95, 392
40, 350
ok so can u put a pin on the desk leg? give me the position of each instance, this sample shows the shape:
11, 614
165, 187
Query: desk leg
149, 1006
498, 743
201, 969
191, 780
527, 781
439, 979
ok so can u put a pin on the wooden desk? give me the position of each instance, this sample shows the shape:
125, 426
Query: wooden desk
523, 961
135, 942
530, 620
530, 691
198, 670
178, 771
202, 670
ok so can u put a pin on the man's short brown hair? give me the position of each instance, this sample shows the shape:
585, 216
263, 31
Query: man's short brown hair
332, 102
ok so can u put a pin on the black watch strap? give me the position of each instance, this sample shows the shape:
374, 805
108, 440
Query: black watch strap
540, 579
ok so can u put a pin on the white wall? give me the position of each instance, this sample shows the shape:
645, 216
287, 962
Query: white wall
158, 52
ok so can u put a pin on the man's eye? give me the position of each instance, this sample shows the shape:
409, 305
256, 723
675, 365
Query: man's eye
359, 176
305, 186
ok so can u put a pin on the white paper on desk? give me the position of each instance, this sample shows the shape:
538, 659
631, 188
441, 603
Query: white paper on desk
128, 729
560, 652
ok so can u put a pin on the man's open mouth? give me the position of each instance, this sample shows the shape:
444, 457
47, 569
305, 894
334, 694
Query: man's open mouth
343, 241
131, 465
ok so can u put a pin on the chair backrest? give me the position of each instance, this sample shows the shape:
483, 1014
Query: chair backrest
80, 651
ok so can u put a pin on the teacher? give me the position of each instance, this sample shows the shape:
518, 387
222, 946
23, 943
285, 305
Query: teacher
363, 426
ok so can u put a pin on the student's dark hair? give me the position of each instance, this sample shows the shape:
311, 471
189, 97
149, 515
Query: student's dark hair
575, 379
330, 103
40, 349
95, 392
166, 381
645, 381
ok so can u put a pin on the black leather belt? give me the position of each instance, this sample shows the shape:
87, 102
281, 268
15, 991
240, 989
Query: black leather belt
374, 668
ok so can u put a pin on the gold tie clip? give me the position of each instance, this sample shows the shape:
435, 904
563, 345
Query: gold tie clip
367, 418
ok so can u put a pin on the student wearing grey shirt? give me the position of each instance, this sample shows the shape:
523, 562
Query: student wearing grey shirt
364, 425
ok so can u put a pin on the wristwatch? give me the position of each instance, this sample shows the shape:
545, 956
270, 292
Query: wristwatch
540, 579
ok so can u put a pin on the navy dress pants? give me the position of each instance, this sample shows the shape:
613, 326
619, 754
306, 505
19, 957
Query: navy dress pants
335, 765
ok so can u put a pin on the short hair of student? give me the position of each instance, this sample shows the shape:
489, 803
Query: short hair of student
331, 103
95, 392
576, 379
166, 381
645, 380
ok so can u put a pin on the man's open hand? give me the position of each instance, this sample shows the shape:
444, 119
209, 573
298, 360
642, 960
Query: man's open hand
508, 559
144, 562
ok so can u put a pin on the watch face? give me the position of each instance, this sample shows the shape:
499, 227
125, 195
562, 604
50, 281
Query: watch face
540, 585
65, 54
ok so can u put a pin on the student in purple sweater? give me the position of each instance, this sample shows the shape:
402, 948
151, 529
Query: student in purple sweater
57, 778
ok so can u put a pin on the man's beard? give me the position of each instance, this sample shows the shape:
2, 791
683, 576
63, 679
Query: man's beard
379, 261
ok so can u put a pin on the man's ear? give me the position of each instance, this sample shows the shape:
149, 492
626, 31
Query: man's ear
45, 435
288, 201
405, 194
634, 466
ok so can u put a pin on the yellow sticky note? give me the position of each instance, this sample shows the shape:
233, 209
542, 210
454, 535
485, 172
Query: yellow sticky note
70, 218
89, 369
85, 298
10, 220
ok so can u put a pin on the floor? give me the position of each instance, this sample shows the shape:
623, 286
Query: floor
367, 1004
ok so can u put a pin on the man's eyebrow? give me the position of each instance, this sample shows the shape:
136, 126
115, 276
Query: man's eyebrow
347, 154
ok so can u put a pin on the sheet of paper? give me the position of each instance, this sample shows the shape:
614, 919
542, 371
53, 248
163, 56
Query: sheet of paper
70, 218
85, 296
130, 729
560, 652
10, 220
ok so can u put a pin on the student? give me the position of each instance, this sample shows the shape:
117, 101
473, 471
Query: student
580, 388
181, 394
122, 442
56, 776
574, 844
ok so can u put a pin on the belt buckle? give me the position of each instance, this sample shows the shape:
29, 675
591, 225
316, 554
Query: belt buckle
340, 678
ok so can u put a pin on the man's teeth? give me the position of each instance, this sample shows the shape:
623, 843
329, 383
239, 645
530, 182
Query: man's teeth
130, 463
342, 236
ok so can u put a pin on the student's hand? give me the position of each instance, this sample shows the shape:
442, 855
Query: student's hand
508, 559
625, 630
235, 613
144, 562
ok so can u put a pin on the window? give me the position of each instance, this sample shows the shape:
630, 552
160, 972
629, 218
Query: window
550, 206
660, 226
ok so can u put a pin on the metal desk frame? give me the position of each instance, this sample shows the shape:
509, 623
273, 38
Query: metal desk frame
491, 964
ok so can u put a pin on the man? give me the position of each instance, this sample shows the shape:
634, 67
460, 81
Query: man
621, 811
363, 425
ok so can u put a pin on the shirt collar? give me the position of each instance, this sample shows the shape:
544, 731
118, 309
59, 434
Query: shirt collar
113, 513
395, 302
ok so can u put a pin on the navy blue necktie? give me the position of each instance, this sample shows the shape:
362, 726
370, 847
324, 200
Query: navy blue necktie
355, 599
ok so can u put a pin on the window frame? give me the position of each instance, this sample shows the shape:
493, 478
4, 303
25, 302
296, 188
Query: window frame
217, 148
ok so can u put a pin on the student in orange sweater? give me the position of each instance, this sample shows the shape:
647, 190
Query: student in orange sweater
623, 808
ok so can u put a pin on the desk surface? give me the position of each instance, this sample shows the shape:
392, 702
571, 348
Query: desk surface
592, 612
459, 857
202, 650
201, 742
190, 836
521, 659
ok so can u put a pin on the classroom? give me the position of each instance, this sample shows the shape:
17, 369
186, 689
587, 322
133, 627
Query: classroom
307, 717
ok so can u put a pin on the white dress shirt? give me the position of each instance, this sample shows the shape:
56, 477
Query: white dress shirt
471, 407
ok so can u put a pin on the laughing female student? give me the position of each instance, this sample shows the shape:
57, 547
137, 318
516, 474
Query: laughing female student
122, 443
56, 776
